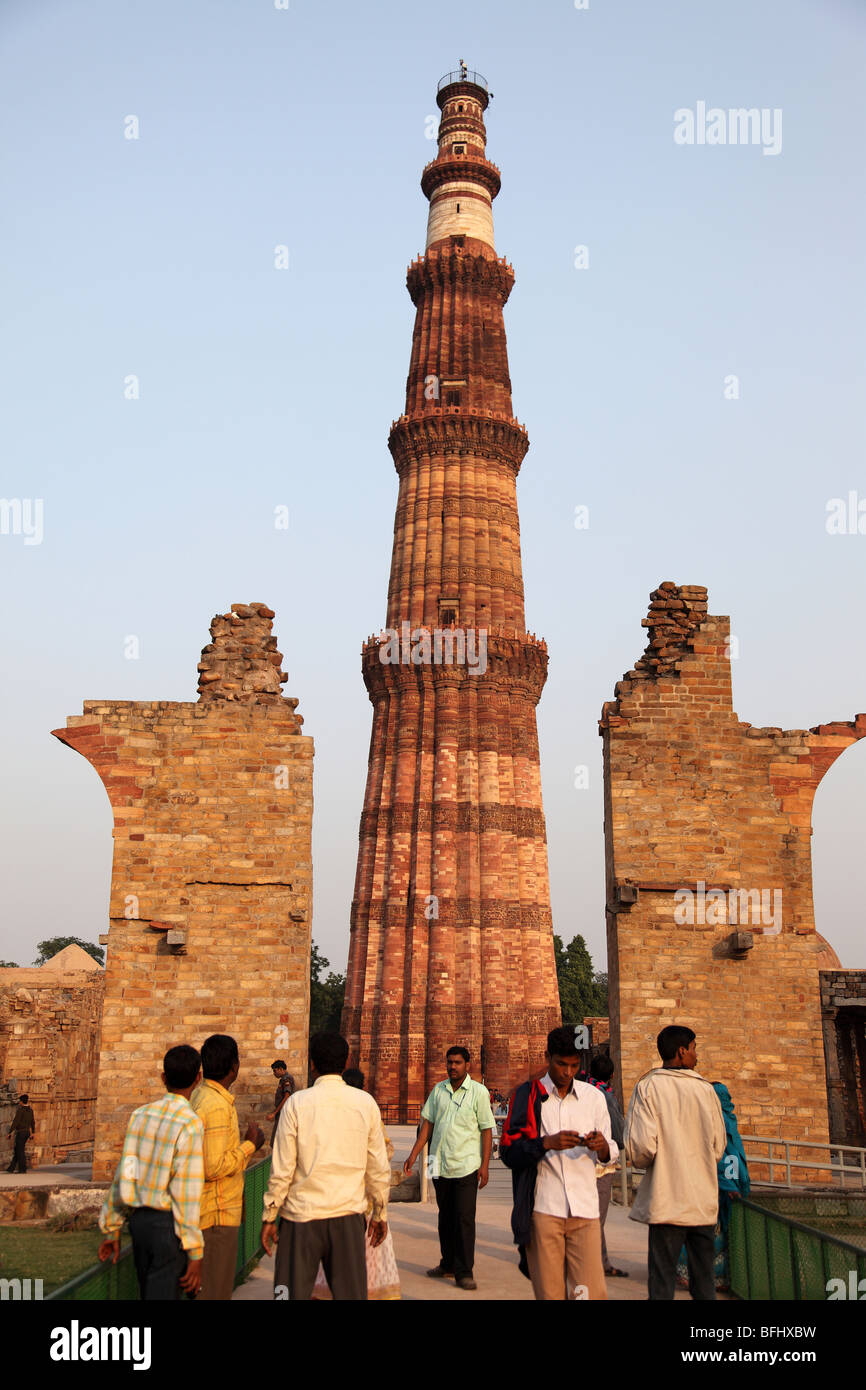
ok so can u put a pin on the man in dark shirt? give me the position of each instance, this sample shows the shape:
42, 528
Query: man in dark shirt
285, 1088
23, 1126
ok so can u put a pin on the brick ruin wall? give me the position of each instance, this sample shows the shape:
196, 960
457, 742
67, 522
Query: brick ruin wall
692, 795
211, 888
49, 1048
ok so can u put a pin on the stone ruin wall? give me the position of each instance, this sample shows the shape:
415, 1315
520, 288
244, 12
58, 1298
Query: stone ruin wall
692, 793
49, 1048
211, 889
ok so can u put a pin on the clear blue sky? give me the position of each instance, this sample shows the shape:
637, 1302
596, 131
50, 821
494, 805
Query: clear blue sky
259, 387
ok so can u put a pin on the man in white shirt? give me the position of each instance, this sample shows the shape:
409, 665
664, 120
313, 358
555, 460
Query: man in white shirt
560, 1128
329, 1161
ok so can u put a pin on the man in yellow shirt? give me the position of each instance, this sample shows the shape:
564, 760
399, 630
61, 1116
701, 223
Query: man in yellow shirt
225, 1160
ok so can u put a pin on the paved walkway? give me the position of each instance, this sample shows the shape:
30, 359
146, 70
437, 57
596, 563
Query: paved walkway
416, 1243
59, 1175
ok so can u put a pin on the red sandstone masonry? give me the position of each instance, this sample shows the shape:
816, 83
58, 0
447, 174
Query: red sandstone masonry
452, 812
692, 793
212, 811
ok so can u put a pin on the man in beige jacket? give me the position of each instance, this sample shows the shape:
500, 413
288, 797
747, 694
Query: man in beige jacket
329, 1163
675, 1130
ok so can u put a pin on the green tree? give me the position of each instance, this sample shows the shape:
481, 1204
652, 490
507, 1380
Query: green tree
582, 992
326, 996
53, 944
8, 965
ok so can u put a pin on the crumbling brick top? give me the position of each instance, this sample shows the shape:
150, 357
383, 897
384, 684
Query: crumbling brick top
241, 662
676, 612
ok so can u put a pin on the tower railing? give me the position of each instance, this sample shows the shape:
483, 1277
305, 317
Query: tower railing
463, 75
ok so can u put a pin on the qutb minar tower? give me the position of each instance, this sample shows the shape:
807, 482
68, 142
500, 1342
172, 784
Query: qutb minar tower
451, 933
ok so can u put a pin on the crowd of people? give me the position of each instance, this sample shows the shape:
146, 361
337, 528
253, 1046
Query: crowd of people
180, 1178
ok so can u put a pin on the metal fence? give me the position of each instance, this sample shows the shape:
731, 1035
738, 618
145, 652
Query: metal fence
463, 75
845, 1164
250, 1248
118, 1283
772, 1257
401, 1114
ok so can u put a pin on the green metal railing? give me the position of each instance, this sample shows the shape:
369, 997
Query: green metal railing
250, 1249
118, 1282
772, 1257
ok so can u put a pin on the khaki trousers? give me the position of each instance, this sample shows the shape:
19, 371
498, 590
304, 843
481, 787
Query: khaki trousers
219, 1263
566, 1248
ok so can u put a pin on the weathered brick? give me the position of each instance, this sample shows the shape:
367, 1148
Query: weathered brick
189, 865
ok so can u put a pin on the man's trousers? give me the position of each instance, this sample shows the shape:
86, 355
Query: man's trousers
159, 1257
564, 1257
19, 1153
219, 1263
336, 1242
456, 1199
665, 1244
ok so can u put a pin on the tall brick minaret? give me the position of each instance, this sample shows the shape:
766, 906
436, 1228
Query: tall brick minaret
451, 935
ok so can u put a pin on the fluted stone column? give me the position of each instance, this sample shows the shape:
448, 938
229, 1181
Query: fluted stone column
451, 933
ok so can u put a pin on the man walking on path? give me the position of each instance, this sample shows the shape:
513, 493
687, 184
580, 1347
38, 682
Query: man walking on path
158, 1184
676, 1131
329, 1161
558, 1129
458, 1116
23, 1127
225, 1160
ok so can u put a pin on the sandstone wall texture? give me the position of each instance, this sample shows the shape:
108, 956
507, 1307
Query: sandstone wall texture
49, 1048
694, 796
211, 888
599, 1031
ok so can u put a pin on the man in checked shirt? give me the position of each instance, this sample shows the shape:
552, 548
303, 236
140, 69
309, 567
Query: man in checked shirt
158, 1186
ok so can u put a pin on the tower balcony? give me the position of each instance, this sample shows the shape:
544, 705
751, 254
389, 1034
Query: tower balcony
452, 167
463, 75
421, 655
494, 633
463, 82
445, 429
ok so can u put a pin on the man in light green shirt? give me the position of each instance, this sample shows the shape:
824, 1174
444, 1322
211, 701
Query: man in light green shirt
458, 1123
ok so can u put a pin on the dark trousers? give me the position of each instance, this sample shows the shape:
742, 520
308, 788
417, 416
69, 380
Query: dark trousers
337, 1243
159, 1257
665, 1244
19, 1153
456, 1198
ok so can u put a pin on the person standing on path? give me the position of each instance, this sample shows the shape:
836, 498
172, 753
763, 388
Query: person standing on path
601, 1070
458, 1122
285, 1088
557, 1131
383, 1276
158, 1184
676, 1131
23, 1127
225, 1161
329, 1161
